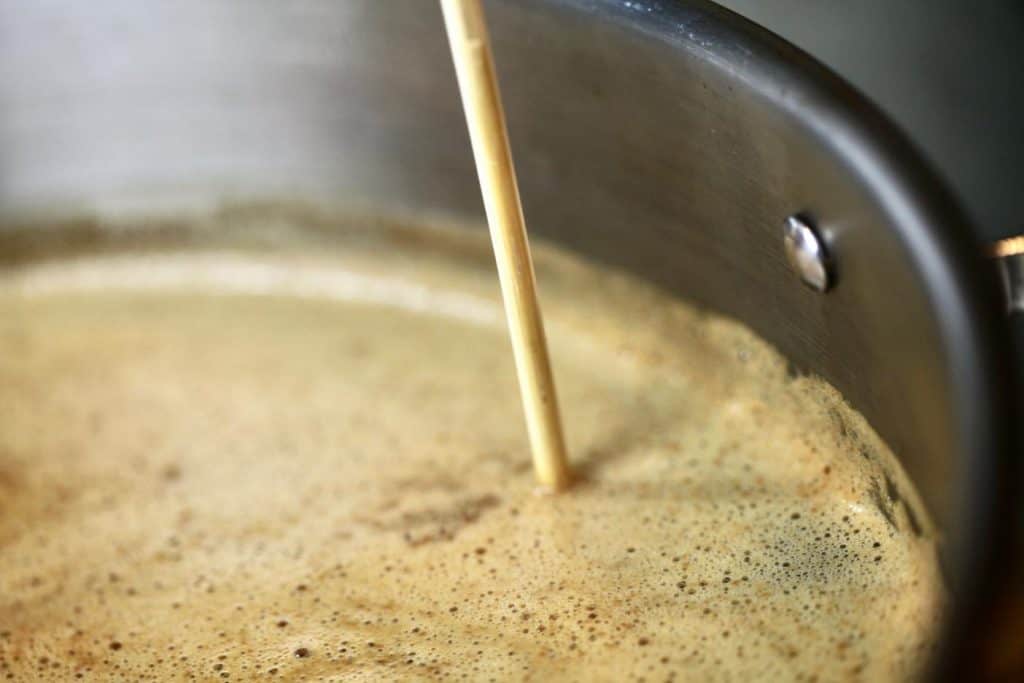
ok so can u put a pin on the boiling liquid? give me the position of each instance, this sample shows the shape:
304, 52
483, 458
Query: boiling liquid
311, 463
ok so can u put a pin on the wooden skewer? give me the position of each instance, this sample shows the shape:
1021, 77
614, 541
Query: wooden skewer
474, 67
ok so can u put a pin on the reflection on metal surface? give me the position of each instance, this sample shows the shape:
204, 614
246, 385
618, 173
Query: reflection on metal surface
806, 253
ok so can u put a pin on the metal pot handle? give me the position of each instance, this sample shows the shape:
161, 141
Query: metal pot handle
1009, 257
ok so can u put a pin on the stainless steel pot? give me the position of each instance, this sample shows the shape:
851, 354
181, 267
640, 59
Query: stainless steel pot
673, 139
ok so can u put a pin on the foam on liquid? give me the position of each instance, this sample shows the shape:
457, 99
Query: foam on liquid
310, 464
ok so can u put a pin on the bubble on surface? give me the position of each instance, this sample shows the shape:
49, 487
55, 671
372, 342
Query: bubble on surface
227, 485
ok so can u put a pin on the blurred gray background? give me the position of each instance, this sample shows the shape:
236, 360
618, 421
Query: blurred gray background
949, 72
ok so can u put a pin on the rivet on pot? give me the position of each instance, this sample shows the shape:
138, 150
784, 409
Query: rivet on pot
806, 253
